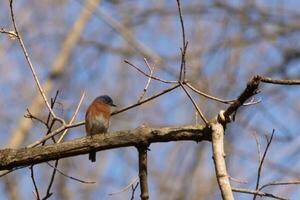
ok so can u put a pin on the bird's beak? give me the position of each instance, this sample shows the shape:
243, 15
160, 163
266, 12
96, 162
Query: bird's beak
113, 105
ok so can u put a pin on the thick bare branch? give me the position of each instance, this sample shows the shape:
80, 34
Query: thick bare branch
11, 158
143, 172
250, 90
219, 161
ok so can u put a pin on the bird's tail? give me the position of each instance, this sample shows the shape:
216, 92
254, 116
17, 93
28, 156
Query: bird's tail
92, 156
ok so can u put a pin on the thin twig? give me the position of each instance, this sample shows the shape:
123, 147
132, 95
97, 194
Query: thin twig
52, 122
261, 163
238, 180
207, 95
73, 117
133, 188
5, 172
29, 115
149, 76
194, 103
71, 177
279, 82
258, 146
130, 185
146, 100
48, 193
53, 101
10, 33
53, 133
259, 193
276, 183
148, 82
34, 183
252, 102
184, 45
19, 37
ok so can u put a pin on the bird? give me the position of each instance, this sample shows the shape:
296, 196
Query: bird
97, 118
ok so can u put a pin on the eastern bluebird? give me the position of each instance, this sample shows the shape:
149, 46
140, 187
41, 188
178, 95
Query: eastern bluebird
97, 118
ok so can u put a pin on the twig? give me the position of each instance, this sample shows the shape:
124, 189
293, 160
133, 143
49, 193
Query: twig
149, 76
252, 102
238, 180
148, 82
143, 174
146, 100
48, 193
71, 177
194, 103
133, 190
53, 101
5, 172
184, 45
259, 193
73, 117
10, 33
261, 163
258, 146
19, 37
32, 117
34, 183
53, 133
279, 82
130, 185
207, 95
275, 183
51, 123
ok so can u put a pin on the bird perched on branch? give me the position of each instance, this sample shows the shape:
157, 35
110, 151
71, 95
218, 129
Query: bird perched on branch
97, 118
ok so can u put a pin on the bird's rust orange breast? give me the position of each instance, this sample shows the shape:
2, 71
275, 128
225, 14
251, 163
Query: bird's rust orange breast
100, 107
97, 117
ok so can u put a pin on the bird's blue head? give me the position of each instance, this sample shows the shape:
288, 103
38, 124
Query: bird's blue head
105, 99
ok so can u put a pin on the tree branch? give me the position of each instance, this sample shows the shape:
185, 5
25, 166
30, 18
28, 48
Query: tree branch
259, 193
143, 173
219, 161
250, 90
11, 158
